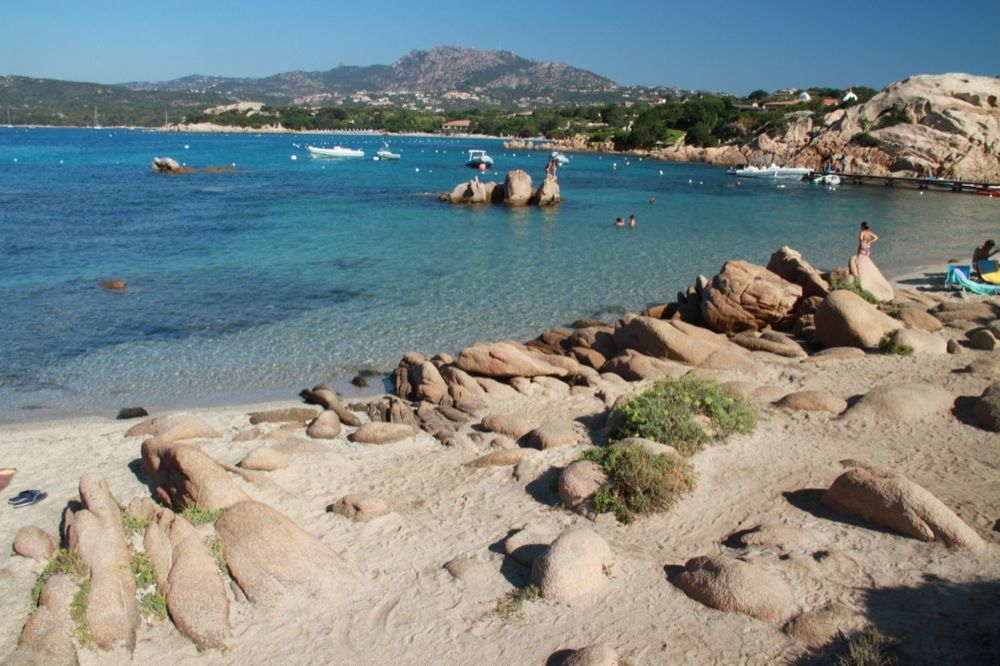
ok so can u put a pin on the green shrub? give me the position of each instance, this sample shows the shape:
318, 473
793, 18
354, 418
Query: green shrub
218, 550
893, 117
511, 606
887, 345
134, 524
153, 605
895, 311
855, 288
152, 602
640, 482
65, 562
866, 140
868, 648
78, 613
142, 569
195, 515
665, 413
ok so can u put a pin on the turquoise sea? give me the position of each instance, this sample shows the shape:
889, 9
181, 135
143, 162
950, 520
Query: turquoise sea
252, 284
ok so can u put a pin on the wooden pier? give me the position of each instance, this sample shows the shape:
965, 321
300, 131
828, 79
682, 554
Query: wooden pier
921, 183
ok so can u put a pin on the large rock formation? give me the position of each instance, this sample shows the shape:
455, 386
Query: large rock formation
95, 532
945, 126
746, 296
573, 565
870, 278
516, 190
182, 474
735, 586
791, 266
951, 128
844, 319
268, 554
889, 499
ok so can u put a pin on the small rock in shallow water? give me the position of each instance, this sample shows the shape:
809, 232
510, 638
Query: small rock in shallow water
360, 381
131, 413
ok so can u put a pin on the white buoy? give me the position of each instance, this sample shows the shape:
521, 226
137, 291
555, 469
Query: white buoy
186, 146
417, 169
295, 157
60, 161
661, 172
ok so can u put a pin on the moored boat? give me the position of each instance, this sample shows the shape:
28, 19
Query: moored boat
773, 171
828, 179
559, 158
336, 151
478, 159
385, 154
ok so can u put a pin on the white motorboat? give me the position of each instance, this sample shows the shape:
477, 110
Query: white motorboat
478, 159
773, 171
559, 158
385, 154
828, 179
336, 151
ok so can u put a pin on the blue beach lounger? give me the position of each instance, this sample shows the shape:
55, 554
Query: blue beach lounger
958, 276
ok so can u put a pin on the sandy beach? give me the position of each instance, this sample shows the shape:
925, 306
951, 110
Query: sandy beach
403, 605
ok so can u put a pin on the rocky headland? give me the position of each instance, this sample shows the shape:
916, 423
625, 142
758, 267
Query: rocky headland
941, 126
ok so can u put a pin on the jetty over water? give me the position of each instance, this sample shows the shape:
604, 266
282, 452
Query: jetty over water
918, 183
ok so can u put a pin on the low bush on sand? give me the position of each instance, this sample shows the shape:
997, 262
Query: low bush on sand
855, 288
640, 482
888, 345
668, 412
196, 515
512, 605
868, 648
63, 562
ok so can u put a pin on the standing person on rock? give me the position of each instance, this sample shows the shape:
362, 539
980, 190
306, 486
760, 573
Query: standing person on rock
865, 239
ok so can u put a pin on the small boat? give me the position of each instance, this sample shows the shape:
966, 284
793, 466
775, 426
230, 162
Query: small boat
773, 171
478, 159
828, 179
385, 154
989, 191
559, 158
336, 151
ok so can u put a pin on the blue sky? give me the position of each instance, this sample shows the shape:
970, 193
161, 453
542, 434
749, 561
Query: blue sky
720, 46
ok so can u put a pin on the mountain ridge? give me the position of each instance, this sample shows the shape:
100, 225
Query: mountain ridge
492, 77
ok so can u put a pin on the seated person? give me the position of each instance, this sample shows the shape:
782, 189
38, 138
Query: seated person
982, 253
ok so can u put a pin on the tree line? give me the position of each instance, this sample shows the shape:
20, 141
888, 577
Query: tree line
704, 120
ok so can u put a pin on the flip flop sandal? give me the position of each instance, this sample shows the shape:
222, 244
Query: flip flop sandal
36, 497
21, 496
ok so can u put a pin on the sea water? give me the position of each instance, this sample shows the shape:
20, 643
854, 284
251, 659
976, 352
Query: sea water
284, 271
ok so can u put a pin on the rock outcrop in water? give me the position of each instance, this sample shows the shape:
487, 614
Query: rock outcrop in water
516, 190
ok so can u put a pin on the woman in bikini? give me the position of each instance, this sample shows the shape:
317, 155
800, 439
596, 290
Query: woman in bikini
865, 240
